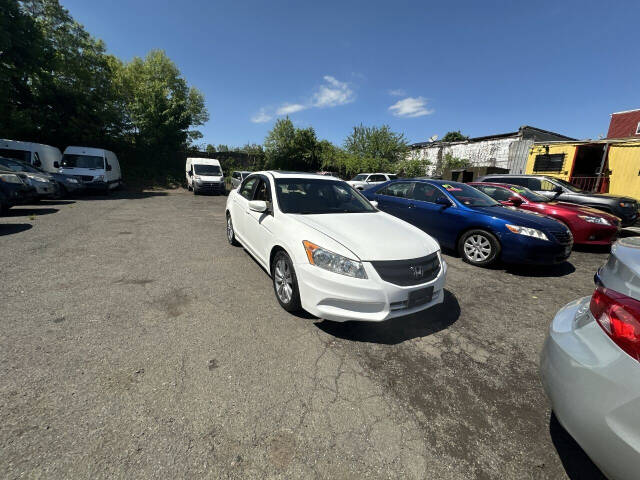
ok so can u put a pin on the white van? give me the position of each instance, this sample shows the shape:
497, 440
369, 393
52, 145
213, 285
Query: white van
39, 155
94, 168
204, 175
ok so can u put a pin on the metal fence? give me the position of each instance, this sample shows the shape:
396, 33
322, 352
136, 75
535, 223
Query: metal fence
591, 184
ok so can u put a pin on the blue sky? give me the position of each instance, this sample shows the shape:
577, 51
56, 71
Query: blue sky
424, 68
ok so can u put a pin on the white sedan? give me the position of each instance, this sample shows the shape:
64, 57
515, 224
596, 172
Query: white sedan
330, 252
362, 181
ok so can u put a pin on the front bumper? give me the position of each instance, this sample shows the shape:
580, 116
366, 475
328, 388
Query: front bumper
520, 249
209, 187
594, 390
627, 217
594, 234
336, 297
45, 190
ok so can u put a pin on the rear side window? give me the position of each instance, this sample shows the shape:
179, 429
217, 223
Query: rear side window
247, 187
401, 190
377, 178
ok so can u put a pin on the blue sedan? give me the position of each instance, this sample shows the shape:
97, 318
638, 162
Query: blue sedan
464, 219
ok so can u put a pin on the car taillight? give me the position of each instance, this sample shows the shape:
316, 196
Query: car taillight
619, 317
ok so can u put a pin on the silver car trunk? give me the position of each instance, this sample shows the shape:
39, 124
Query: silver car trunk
622, 270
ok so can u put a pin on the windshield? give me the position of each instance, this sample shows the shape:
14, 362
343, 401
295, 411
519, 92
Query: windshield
22, 155
529, 194
360, 178
468, 196
311, 196
571, 187
70, 160
207, 170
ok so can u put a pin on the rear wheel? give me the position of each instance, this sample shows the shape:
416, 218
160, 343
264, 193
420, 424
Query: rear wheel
479, 247
285, 282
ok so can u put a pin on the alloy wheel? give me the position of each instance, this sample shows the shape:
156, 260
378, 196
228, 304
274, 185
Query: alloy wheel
229, 228
477, 248
283, 281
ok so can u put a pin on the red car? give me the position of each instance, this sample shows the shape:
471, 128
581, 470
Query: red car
588, 225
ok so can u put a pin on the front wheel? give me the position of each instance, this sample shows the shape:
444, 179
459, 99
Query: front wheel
479, 247
285, 282
231, 234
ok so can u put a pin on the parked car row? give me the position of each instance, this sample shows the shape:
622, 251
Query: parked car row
314, 233
47, 173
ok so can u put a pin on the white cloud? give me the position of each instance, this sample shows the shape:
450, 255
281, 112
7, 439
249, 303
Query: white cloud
333, 93
288, 108
261, 117
399, 92
410, 107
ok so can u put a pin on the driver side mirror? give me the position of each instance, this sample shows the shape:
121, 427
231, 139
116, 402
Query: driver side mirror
515, 201
443, 201
190, 173
259, 206
37, 163
56, 164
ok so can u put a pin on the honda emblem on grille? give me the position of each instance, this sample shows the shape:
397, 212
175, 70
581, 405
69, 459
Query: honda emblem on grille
416, 271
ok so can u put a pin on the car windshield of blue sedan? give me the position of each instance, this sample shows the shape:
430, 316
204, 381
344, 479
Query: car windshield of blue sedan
310, 197
469, 196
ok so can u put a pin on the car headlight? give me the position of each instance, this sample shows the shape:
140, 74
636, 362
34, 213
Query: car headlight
71, 180
598, 220
626, 204
10, 178
333, 262
527, 232
99, 178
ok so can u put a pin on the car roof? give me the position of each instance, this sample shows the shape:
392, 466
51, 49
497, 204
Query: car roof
286, 174
497, 184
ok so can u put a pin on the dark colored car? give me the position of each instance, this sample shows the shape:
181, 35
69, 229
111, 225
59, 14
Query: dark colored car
13, 191
587, 225
464, 219
64, 184
626, 208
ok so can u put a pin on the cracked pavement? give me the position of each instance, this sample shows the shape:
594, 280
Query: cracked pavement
135, 342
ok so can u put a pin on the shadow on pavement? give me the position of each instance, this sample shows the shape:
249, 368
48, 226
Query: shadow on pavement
400, 329
56, 202
559, 270
575, 461
22, 212
592, 248
11, 228
121, 195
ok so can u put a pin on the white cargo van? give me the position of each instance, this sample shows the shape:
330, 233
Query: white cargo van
39, 155
94, 168
204, 175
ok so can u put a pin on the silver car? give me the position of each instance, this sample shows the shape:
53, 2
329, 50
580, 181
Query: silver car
590, 365
237, 177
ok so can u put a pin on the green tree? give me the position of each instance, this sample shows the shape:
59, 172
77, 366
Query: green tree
412, 166
376, 142
450, 162
223, 148
456, 136
289, 148
210, 149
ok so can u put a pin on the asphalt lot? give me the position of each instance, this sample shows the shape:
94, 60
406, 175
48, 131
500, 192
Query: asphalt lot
135, 342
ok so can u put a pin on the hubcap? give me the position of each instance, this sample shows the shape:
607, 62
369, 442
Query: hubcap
477, 248
229, 229
283, 280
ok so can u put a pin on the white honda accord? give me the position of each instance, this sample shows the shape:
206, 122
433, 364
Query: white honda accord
329, 250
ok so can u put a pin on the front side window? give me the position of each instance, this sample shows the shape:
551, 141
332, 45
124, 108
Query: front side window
71, 160
424, 192
247, 187
547, 186
497, 193
400, 189
468, 196
262, 192
207, 170
359, 178
314, 196
377, 178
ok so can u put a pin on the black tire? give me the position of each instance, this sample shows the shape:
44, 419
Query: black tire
285, 282
479, 247
231, 233
4, 208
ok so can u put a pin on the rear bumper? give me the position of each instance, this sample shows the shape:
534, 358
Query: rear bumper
594, 390
340, 298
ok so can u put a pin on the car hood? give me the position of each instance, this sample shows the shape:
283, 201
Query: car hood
580, 209
373, 236
605, 197
520, 217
